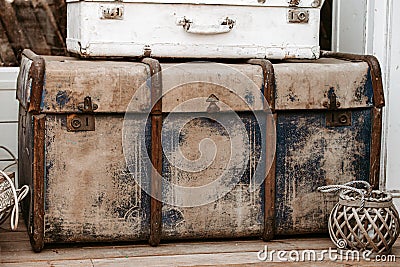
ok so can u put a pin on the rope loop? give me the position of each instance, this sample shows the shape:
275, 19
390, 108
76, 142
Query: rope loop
350, 186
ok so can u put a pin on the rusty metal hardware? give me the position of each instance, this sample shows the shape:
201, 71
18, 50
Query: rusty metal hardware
335, 117
84, 121
147, 51
80, 122
333, 103
294, 2
229, 22
213, 100
298, 16
186, 22
316, 3
338, 118
112, 12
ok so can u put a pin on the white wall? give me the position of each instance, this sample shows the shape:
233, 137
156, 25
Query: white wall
8, 113
349, 31
372, 27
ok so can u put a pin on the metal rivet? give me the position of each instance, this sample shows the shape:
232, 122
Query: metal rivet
302, 16
343, 119
76, 123
316, 3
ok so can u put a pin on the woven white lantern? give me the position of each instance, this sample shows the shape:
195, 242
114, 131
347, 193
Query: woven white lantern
363, 219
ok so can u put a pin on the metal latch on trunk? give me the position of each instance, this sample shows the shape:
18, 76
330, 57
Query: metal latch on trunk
298, 16
335, 117
84, 121
112, 11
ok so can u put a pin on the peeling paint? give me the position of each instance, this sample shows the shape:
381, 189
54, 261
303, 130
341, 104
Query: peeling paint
62, 98
240, 212
300, 89
310, 155
89, 202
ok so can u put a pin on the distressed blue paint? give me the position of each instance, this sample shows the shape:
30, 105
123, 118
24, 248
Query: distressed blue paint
368, 88
44, 92
331, 92
291, 133
365, 90
145, 201
148, 82
249, 98
172, 215
62, 98
48, 166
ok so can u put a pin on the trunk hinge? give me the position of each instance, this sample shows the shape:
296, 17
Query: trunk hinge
334, 116
84, 121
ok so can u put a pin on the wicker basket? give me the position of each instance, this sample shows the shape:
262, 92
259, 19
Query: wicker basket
363, 219
6, 195
9, 195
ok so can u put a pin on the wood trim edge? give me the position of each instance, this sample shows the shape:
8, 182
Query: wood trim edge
269, 185
156, 151
375, 151
269, 182
36, 72
38, 171
269, 80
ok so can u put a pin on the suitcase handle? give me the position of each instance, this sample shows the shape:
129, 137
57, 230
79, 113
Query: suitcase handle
224, 26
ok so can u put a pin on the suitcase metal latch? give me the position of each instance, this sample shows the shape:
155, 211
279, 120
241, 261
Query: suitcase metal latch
112, 12
335, 117
298, 16
84, 121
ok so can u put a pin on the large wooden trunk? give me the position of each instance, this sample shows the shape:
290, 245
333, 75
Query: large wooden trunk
122, 151
81, 190
94, 136
191, 29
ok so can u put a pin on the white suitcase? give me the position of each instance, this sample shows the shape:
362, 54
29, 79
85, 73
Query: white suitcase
274, 29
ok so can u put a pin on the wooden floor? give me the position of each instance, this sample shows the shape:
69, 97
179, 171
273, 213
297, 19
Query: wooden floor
15, 251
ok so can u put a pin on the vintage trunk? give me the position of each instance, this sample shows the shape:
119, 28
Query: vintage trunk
81, 189
328, 132
94, 136
274, 29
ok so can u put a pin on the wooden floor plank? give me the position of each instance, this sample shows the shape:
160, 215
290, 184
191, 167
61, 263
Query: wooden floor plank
13, 236
13, 246
69, 263
181, 260
65, 253
15, 251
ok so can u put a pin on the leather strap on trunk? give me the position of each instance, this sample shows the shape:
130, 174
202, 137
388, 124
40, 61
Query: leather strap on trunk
269, 182
156, 151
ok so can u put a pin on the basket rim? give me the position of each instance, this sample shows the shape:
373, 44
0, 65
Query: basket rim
385, 196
